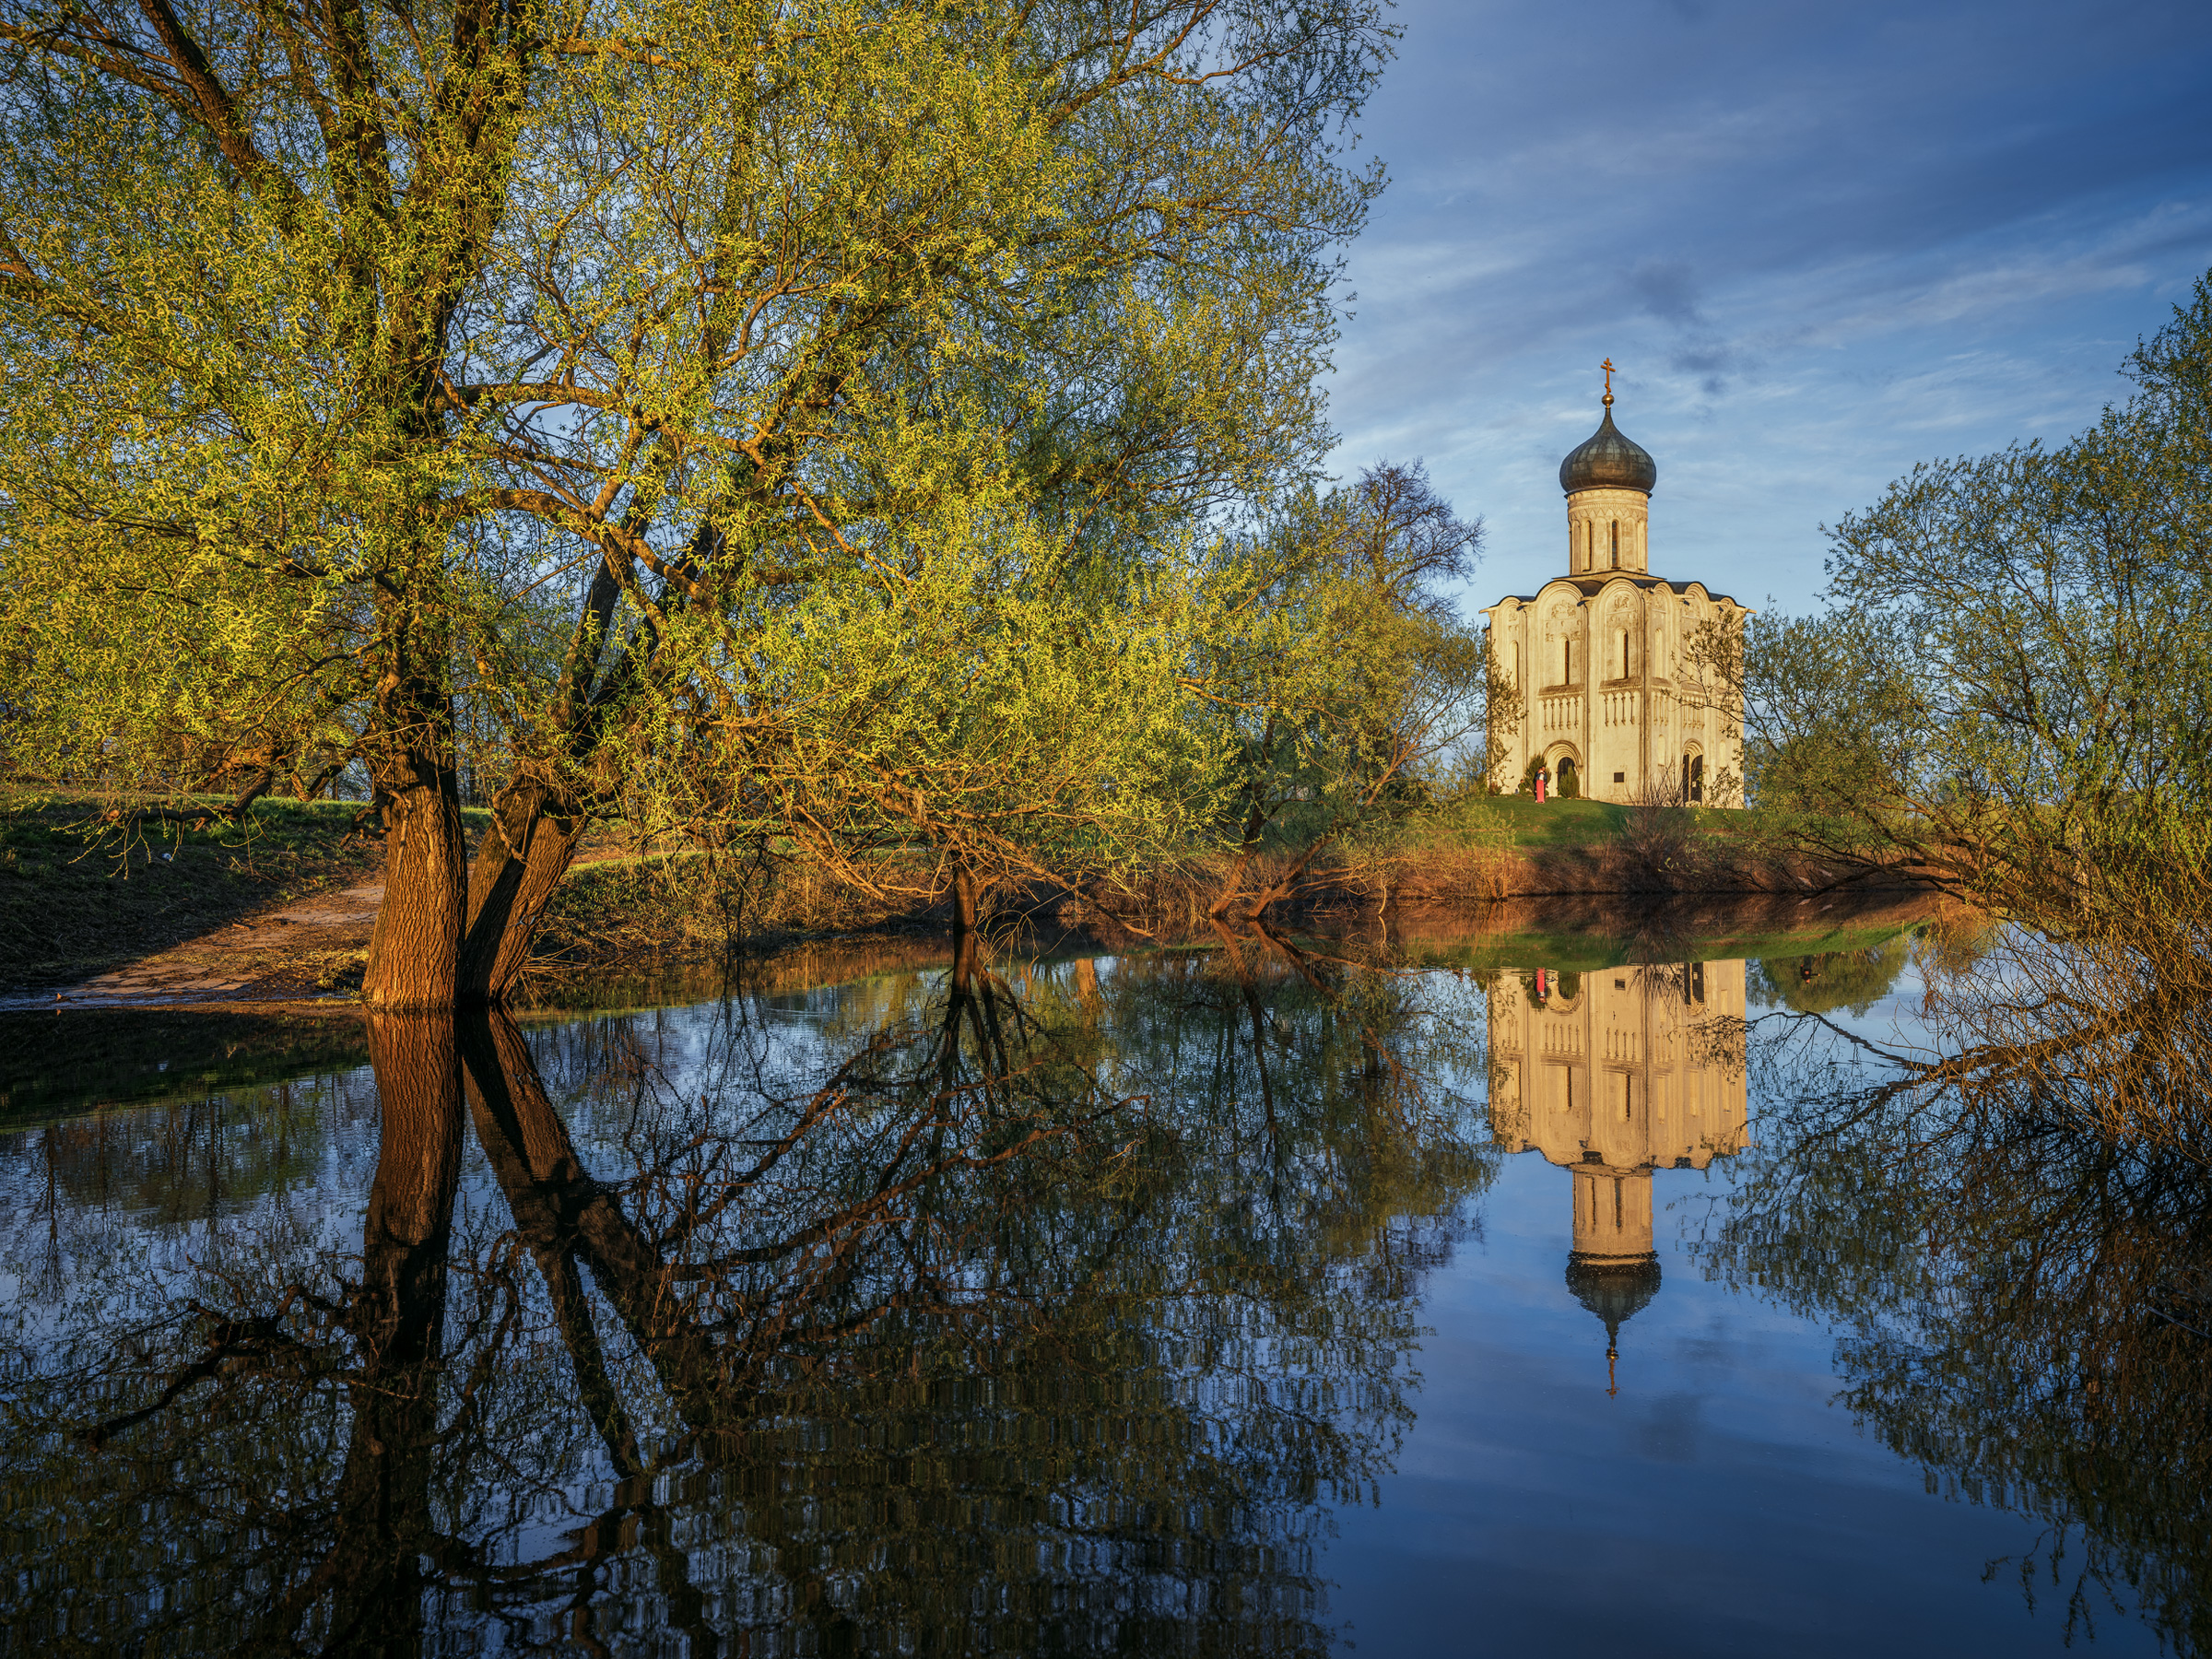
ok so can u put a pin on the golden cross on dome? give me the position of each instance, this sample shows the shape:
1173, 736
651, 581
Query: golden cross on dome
1608, 366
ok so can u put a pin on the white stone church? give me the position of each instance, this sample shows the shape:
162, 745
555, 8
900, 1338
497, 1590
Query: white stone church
1611, 705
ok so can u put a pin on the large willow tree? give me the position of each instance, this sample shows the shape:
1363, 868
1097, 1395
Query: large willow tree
765, 409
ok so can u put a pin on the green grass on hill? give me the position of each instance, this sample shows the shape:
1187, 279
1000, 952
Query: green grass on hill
80, 893
1521, 823
1589, 952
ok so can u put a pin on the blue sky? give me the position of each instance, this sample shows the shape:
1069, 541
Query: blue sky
1821, 242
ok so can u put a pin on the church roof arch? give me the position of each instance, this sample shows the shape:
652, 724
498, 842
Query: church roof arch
1589, 586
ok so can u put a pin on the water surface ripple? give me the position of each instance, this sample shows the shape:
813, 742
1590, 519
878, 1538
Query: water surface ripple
1532, 1296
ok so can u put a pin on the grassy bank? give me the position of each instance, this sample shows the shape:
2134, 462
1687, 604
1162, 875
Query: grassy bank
82, 892
1511, 847
657, 912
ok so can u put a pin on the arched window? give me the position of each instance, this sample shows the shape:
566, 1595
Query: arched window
1616, 544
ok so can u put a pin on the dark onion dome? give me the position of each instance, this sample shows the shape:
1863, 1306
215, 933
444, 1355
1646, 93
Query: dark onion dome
1607, 460
1615, 1290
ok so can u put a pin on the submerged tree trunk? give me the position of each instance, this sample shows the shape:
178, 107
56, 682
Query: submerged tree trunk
383, 1521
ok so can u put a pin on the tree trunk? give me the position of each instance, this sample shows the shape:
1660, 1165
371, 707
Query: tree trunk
966, 901
1286, 884
415, 951
528, 848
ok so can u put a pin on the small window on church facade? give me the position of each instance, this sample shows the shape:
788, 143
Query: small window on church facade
1616, 544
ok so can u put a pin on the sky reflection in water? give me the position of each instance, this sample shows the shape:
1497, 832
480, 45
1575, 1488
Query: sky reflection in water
1172, 1304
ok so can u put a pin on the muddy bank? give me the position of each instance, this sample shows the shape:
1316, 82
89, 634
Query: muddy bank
643, 930
1694, 872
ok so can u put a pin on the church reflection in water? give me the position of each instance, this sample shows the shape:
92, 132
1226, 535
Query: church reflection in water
1617, 1074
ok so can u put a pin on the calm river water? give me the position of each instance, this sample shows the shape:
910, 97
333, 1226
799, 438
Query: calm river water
1517, 1295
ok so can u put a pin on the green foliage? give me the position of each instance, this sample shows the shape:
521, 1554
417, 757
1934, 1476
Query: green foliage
1341, 683
2009, 692
974, 702
785, 413
1822, 983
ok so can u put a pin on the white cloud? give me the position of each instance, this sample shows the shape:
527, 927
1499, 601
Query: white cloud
1820, 253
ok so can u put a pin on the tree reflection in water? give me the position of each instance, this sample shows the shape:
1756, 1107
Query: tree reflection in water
949, 1313
2013, 1230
